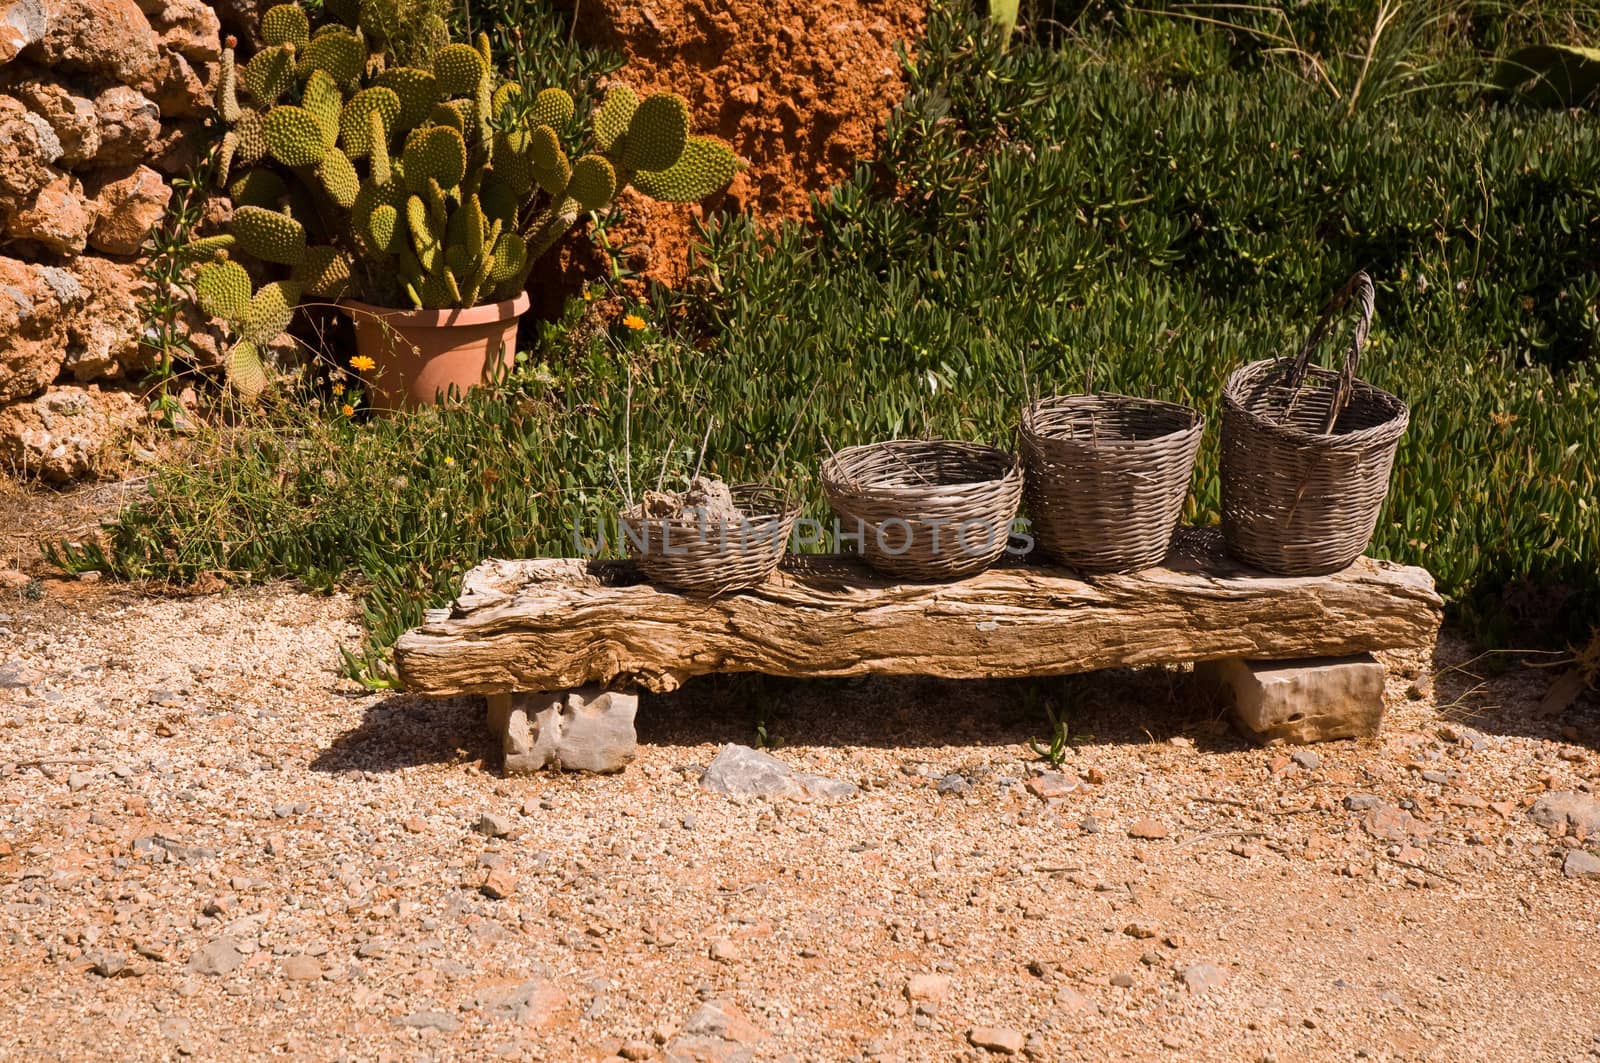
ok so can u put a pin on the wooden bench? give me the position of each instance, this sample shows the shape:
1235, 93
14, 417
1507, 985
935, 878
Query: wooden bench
555, 625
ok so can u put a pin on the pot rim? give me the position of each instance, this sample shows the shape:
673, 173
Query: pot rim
483, 314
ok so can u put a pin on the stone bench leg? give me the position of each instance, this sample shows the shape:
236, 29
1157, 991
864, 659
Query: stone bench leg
1316, 699
588, 729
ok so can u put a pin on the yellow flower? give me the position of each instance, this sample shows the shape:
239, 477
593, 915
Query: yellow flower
362, 364
448, 460
634, 321
348, 410
338, 389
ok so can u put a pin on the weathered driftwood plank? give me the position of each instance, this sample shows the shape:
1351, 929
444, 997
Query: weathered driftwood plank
554, 624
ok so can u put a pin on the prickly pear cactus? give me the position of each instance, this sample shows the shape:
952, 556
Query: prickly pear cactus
368, 158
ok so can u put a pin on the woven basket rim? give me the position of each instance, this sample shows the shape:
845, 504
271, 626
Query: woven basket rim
833, 472
785, 508
1242, 384
1193, 420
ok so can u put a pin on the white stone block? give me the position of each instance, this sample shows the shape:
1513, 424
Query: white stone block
1300, 701
588, 729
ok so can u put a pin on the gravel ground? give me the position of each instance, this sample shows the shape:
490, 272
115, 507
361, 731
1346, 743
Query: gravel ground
212, 845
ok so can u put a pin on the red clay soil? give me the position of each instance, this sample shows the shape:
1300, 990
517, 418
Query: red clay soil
800, 88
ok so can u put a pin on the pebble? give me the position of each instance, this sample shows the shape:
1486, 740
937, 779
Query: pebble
954, 784
934, 987
1148, 829
1072, 1002
1362, 802
108, 964
430, 1020
1090, 825
997, 1039
1048, 785
302, 969
493, 826
1201, 978
1438, 778
1308, 759
1566, 809
1122, 980
222, 956
499, 884
1579, 864
725, 950
1141, 930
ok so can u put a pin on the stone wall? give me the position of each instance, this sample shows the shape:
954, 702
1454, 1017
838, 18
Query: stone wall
102, 103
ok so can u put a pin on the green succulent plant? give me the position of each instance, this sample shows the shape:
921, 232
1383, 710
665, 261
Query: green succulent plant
416, 179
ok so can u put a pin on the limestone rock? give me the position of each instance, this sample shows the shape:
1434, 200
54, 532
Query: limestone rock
181, 90
534, 1003
740, 771
996, 1039
22, 22
129, 209
130, 123
1298, 701
104, 341
1568, 810
24, 165
222, 956
1580, 864
1201, 978
187, 27
66, 433
717, 1030
182, 144
32, 329
102, 38
58, 219
589, 729
71, 118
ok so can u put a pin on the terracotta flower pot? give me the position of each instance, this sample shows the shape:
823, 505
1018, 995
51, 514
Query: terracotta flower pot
421, 354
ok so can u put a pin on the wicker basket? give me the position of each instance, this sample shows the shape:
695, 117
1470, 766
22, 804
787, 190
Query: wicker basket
1107, 476
712, 557
925, 509
1306, 452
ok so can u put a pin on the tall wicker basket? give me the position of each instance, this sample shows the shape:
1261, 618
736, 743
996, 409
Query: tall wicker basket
1306, 452
931, 509
713, 556
1107, 476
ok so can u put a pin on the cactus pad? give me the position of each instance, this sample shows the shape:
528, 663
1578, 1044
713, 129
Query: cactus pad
321, 96
227, 88
459, 68
293, 136
269, 235
339, 178
434, 153
325, 272
378, 159
270, 312
552, 107
269, 75
457, 114
257, 188
341, 53
223, 290
246, 372
418, 91
657, 133
510, 252
374, 217
355, 121
425, 238
612, 118
286, 24
382, 231
225, 153
550, 166
706, 166
593, 182
252, 141
210, 245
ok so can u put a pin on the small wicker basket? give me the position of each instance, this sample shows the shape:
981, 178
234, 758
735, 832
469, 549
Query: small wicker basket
1307, 451
1107, 476
713, 556
925, 509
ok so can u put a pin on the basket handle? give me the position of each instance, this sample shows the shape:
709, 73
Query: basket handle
1359, 288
